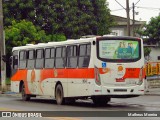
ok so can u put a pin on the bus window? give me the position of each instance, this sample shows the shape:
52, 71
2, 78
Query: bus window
15, 60
22, 59
121, 50
48, 53
84, 55
52, 52
60, 59
49, 57
31, 59
39, 58
88, 49
72, 57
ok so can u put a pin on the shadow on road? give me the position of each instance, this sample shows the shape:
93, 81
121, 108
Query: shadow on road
88, 104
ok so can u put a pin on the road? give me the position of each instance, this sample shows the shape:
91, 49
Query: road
142, 103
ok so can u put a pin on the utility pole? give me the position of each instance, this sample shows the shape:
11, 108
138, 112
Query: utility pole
128, 17
2, 50
133, 18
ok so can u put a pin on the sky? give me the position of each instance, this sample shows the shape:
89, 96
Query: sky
145, 8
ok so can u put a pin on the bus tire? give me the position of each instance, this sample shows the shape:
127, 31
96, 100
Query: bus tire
100, 100
25, 97
59, 95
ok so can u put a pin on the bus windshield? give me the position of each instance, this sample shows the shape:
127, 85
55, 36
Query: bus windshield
119, 49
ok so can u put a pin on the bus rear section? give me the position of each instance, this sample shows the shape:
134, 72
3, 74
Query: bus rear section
119, 67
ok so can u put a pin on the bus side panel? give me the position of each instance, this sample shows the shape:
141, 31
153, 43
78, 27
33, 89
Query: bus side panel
20, 75
47, 82
78, 81
15, 86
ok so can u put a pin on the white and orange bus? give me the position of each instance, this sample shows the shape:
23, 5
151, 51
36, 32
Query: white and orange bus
98, 68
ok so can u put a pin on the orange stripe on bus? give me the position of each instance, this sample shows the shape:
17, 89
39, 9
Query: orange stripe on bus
132, 73
21, 75
72, 73
67, 73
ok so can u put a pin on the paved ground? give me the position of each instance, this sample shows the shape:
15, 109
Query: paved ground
151, 91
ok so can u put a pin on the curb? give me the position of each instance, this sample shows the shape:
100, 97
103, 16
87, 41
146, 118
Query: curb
152, 94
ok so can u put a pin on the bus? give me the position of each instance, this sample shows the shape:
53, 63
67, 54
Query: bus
97, 68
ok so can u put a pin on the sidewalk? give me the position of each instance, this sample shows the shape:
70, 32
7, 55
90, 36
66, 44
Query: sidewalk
153, 91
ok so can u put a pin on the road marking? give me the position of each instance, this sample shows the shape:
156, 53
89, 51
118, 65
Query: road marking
63, 118
8, 109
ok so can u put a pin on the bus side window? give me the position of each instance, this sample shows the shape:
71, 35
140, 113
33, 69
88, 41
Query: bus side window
39, 58
60, 60
84, 55
15, 62
22, 59
31, 59
72, 57
49, 57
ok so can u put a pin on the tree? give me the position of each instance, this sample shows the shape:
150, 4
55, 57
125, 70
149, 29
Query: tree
24, 32
79, 18
73, 18
147, 51
152, 33
152, 30
18, 10
103, 17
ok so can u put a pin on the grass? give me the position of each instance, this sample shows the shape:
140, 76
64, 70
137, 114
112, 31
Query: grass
8, 81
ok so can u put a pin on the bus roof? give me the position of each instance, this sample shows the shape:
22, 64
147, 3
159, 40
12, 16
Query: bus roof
71, 42
52, 44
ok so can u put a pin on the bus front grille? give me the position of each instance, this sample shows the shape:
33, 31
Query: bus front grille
120, 90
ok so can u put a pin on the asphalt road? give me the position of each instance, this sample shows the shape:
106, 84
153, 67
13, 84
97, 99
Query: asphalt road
142, 103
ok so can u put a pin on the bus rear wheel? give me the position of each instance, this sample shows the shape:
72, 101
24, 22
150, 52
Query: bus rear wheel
59, 95
100, 100
25, 97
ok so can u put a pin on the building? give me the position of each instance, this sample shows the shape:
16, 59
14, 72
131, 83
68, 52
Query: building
154, 55
121, 28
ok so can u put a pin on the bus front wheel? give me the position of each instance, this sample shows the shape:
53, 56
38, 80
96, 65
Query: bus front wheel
59, 95
25, 97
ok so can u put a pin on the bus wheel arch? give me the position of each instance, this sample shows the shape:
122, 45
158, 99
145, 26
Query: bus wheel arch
20, 86
59, 93
25, 97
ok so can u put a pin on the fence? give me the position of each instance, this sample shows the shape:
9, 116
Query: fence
152, 68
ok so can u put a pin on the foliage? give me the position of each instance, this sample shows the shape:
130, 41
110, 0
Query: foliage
152, 30
152, 33
147, 51
103, 17
74, 18
24, 32
8, 81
